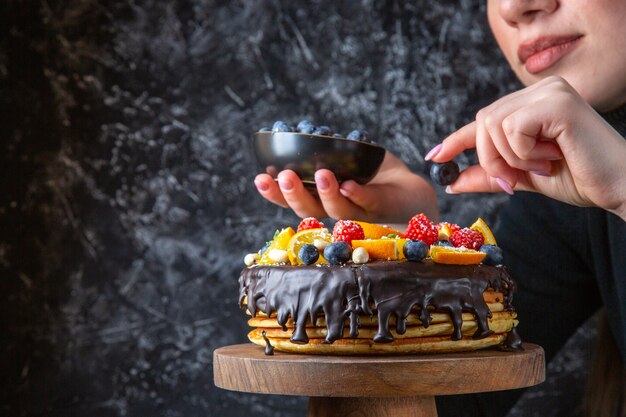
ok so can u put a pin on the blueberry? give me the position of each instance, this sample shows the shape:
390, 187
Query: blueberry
323, 130
305, 126
443, 243
281, 127
495, 256
415, 250
337, 253
337, 135
444, 174
308, 254
264, 129
360, 135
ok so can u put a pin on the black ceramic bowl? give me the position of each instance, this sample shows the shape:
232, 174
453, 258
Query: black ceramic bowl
305, 154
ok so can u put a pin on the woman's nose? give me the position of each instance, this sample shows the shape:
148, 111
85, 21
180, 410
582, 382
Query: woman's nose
516, 12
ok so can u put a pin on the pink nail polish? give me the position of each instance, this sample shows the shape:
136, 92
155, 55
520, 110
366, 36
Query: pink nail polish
261, 186
505, 186
433, 152
344, 192
285, 185
321, 183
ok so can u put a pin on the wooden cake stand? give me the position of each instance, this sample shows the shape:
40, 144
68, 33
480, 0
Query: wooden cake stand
375, 386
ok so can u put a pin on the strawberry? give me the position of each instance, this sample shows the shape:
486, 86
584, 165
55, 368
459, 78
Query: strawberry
469, 238
310, 223
347, 231
422, 228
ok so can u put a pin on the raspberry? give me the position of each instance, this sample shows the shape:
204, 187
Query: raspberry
347, 231
469, 238
422, 228
310, 223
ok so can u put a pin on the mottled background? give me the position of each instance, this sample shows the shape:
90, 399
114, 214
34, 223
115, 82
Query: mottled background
127, 200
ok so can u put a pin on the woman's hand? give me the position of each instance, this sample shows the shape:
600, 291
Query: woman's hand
394, 195
546, 139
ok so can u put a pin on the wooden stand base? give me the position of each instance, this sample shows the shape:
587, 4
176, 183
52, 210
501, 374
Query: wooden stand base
375, 386
372, 407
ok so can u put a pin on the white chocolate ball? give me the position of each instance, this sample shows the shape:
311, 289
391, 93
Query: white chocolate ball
360, 256
250, 259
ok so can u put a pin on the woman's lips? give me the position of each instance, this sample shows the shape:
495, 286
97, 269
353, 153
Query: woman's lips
541, 53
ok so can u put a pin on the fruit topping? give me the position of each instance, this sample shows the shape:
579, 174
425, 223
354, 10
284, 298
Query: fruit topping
280, 242
337, 253
360, 256
446, 229
467, 238
455, 256
280, 127
310, 223
377, 231
308, 254
415, 250
494, 257
308, 237
389, 249
421, 228
482, 227
305, 126
347, 231
264, 248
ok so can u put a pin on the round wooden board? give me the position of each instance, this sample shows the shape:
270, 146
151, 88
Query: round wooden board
246, 368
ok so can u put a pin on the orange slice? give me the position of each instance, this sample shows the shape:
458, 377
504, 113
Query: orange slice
480, 226
376, 231
281, 241
390, 249
455, 256
302, 238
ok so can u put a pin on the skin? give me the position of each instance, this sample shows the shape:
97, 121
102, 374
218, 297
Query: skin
545, 138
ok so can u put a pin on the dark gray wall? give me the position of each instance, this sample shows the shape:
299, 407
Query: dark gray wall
127, 200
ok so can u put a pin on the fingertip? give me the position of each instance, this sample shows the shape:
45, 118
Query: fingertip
506, 187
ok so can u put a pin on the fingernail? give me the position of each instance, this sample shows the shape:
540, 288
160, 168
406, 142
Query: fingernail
505, 186
450, 191
321, 182
260, 185
433, 152
344, 192
285, 185
542, 173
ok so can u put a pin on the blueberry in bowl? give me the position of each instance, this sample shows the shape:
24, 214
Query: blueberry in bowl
319, 148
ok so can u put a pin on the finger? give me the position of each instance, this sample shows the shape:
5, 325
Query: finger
268, 188
493, 123
476, 180
335, 204
366, 197
297, 197
457, 142
490, 159
532, 134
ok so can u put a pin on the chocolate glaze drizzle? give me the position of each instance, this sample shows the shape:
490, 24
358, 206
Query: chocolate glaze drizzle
341, 293
269, 349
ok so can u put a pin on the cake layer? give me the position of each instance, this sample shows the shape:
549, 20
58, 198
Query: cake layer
302, 294
436, 344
